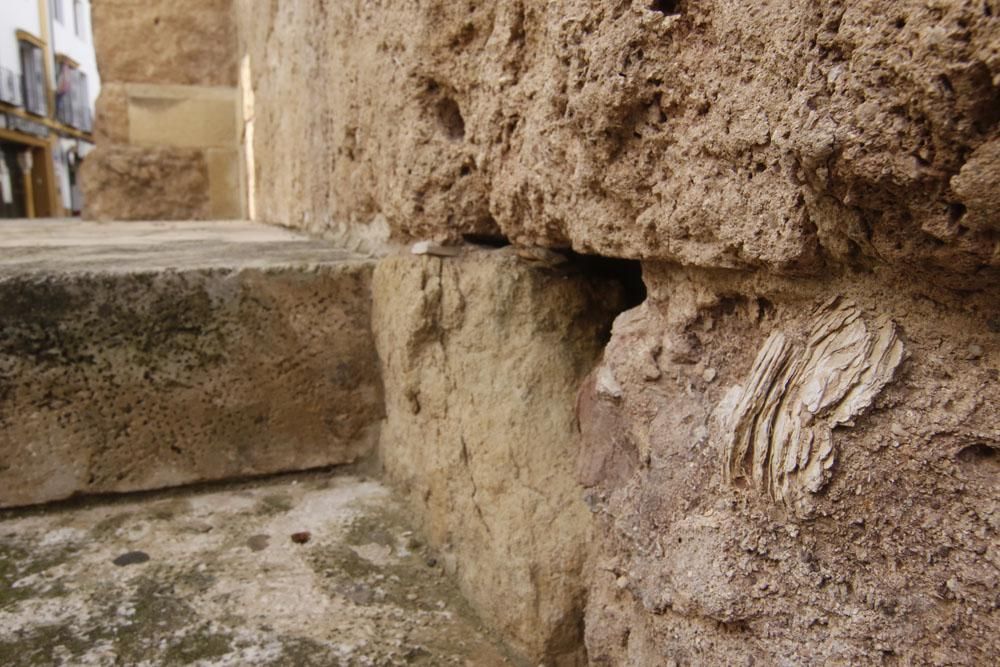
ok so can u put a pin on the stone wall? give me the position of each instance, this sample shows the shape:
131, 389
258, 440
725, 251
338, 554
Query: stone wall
143, 356
791, 446
787, 136
169, 123
795, 471
483, 355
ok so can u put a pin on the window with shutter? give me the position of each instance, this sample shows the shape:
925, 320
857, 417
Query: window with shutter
33, 75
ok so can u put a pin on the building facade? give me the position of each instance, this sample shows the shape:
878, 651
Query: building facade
48, 86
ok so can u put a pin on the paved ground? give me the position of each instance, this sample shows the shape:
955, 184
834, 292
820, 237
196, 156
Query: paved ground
214, 577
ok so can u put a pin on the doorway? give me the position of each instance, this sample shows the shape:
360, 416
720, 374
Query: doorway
13, 203
32, 197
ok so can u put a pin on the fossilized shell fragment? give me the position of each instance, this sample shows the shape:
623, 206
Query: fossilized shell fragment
779, 431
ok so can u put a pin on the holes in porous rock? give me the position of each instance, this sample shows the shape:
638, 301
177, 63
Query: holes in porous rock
765, 309
900, 23
450, 118
627, 272
463, 38
955, 211
978, 453
666, 7
979, 462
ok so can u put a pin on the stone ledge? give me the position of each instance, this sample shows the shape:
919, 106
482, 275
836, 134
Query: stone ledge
139, 366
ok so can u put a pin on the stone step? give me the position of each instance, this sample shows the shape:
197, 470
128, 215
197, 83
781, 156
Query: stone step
137, 356
310, 569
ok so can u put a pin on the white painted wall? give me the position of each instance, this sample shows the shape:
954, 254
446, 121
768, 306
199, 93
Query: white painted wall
23, 15
16, 15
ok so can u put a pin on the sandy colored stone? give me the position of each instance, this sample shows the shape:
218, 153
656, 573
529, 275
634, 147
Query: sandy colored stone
224, 190
368, 141
183, 116
123, 182
728, 146
166, 41
895, 557
111, 114
978, 187
780, 135
158, 362
167, 152
169, 75
481, 356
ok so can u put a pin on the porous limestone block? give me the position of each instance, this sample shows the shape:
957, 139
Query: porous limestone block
786, 134
111, 115
124, 369
792, 471
189, 42
481, 357
122, 182
225, 196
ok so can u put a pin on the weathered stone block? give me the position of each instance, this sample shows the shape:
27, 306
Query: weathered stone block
122, 182
111, 114
183, 116
795, 472
225, 195
786, 135
160, 362
481, 357
166, 41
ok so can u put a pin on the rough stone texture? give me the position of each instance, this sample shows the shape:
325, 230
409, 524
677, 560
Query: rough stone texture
167, 124
893, 559
163, 360
780, 135
778, 427
191, 42
124, 182
481, 356
222, 583
166, 152
727, 146
111, 115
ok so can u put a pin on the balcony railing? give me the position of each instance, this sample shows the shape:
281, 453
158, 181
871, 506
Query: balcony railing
72, 97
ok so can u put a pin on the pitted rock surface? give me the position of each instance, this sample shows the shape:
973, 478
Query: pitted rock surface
785, 135
145, 355
359, 593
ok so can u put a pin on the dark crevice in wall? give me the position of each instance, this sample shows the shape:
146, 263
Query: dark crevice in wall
450, 119
627, 272
666, 7
490, 240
